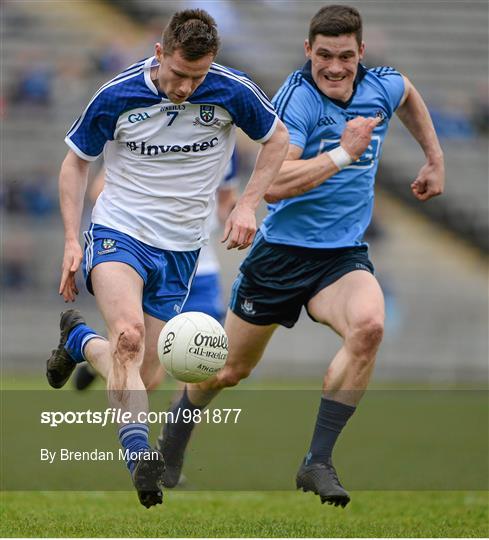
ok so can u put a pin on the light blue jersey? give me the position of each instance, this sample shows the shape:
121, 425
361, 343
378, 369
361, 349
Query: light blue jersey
336, 213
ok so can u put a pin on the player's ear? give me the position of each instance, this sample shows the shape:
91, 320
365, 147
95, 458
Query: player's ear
158, 52
307, 48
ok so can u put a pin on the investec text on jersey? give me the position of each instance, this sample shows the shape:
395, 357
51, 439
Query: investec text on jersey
154, 149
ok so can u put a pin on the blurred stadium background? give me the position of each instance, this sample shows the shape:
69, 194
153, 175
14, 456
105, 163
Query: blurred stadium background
431, 258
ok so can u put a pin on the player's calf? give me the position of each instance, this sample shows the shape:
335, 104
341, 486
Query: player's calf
152, 372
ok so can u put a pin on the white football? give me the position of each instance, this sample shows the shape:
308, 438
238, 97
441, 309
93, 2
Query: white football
192, 347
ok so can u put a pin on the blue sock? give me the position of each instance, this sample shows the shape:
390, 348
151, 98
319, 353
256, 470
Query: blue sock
331, 419
134, 439
77, 339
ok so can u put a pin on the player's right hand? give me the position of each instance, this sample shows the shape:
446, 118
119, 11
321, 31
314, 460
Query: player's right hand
72, 259
240, 227
357, 135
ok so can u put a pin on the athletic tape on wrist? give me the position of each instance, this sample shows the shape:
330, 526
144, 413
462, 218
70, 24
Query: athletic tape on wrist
340, 157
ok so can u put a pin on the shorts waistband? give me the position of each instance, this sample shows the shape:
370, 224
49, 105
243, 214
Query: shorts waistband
315, 253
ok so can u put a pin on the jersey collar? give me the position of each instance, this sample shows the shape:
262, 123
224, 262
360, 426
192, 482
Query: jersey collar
151, 62
307, 74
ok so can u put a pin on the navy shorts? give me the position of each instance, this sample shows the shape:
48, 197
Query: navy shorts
206, 295
167, 275
277, 280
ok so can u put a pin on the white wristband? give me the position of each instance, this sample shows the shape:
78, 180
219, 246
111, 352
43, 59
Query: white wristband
340, 157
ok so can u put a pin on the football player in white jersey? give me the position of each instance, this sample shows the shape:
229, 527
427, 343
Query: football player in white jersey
166, 127
206, 291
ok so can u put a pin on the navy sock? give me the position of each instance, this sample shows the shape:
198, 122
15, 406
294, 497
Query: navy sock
77, 339
134, 439
183, 429
331, 419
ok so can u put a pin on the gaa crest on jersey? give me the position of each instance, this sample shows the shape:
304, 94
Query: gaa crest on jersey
206, 117
380, 114
207, 113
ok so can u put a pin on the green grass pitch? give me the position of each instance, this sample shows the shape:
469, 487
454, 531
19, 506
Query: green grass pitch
251, 514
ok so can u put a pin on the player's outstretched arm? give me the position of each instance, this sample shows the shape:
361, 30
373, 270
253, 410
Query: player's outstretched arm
297, 176
240, 227
72, 186
414, 114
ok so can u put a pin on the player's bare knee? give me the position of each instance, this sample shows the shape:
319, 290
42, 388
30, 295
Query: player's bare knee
130, 342
365, 336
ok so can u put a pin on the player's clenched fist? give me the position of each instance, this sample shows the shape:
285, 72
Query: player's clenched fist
71, 262
430, 181
240, 227
357, 135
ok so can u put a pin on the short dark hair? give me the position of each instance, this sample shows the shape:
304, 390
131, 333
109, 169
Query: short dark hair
193, 32
336, 21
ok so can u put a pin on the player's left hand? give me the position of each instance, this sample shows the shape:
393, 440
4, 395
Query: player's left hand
240, 227
430, 181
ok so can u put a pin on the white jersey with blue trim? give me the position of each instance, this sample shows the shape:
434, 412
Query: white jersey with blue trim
164, 161
337, 212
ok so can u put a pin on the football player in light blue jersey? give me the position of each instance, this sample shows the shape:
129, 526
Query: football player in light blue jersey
309, 251
166, 127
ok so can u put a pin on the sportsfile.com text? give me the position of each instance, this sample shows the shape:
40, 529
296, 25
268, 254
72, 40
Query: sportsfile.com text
117, 416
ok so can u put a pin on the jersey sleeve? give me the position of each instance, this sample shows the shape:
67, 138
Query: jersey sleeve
392, 83
293, 105
88, 135
255, 114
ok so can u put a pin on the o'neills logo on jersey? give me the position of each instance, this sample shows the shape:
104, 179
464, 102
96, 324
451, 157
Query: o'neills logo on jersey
146, 149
